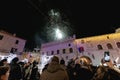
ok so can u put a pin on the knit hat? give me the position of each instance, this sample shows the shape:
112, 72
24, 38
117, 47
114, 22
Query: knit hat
55, 58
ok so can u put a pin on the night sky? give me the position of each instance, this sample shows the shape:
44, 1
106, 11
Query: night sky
87, 18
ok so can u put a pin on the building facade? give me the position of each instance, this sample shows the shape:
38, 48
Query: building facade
11, 43
65, 49
94, 47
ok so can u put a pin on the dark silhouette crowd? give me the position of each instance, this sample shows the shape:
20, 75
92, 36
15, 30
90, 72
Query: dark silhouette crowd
77, 69
19, 70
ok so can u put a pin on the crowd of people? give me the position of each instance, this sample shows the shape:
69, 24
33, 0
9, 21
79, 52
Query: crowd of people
76, 69
18, 70
79, 69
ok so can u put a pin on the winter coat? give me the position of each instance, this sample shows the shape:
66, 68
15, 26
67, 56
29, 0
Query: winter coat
54, 72
15, 72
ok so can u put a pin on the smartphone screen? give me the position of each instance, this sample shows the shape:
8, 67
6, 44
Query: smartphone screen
106, 56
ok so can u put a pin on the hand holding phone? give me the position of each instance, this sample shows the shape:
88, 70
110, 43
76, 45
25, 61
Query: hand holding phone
106, 56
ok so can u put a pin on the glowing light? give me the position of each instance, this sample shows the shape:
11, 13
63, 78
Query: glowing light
58, 34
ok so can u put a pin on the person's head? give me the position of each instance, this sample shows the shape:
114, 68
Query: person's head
62, 61
15, 60
55, 59
71, 63
35, 63
4, 72
85, 61
3, 62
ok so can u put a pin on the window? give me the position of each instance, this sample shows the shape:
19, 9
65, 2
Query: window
38, 50
1, 37
58, 51
93, 56
16, 50
118, 44
99, 47
81, 49
109, 46
52, 52
63, 51
69, 44
17, 41
13, 50
71, 50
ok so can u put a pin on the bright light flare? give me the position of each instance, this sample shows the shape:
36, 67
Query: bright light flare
58, 34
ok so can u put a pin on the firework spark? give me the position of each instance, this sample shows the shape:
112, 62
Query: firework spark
57, 28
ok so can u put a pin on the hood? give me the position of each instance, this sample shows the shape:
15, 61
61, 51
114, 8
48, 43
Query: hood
54, 67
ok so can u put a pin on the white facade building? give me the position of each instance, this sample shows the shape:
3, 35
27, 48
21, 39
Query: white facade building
11, 43
93, 46
64, 49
